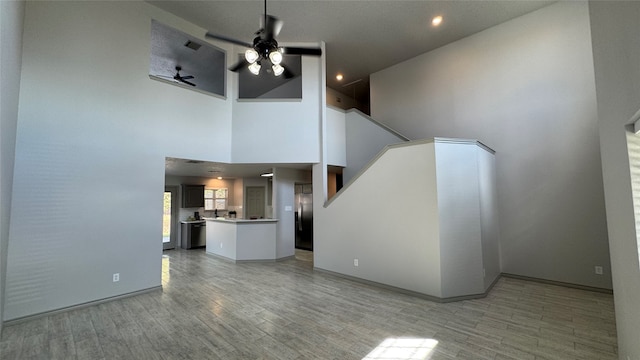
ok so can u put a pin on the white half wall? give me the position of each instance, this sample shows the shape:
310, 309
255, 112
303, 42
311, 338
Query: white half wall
489, 216
525, 87
460, 227
407, 223
413, 220
616, 53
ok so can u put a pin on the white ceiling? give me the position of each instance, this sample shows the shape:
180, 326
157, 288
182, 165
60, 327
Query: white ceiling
361, 36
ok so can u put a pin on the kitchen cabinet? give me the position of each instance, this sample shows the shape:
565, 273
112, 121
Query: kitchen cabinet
192, 196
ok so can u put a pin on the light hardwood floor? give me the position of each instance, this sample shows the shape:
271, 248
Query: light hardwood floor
214, 309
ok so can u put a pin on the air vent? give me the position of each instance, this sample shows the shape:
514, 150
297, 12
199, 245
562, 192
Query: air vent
194, 162
192, 45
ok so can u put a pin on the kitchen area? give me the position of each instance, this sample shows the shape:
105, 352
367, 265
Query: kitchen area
236, 217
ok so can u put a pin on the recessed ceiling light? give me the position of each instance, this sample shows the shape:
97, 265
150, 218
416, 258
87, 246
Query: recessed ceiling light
436, 20
339, 77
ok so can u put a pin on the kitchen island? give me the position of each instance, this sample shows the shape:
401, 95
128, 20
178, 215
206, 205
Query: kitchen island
242, 239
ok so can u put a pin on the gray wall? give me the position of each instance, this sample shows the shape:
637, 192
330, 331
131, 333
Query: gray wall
364, 139
616, 53
525, 88
11, 22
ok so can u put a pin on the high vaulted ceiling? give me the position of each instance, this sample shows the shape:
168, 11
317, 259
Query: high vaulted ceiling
362, 37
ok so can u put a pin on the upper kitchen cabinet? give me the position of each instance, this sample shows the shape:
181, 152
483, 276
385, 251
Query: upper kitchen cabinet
192, 196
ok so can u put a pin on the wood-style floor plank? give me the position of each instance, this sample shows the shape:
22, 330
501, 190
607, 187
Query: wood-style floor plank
214, 309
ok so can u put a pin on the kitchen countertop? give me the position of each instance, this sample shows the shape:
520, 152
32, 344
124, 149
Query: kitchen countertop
192, 221
240, 221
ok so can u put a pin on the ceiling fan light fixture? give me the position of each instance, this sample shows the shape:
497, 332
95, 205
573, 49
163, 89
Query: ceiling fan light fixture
251, 56
255, 68
276, 57
277, 69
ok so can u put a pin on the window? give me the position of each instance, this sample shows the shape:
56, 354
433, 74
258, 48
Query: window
215, 199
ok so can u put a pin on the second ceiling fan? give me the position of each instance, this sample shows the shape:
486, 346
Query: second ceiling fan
265, 48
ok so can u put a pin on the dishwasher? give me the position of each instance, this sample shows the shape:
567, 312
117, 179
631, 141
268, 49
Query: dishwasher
194, 235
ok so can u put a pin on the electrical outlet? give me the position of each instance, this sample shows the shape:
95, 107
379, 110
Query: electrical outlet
599, 270
355, 262
116, 277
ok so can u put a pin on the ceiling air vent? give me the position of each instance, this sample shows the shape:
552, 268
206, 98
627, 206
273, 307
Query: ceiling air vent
192, 45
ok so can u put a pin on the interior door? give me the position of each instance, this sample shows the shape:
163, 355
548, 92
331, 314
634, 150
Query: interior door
255, 202
170, 217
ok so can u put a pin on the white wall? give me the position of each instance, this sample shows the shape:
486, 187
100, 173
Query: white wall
365, 138
489, 216
298, 137
526, 88
616, 52
336, 137
457, 179
11, 24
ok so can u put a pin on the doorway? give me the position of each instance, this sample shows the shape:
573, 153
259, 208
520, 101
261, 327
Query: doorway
255, 202
169, 217
304, 216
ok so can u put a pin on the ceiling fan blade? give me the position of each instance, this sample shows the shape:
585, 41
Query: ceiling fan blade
302, 51
187, 77
187, 82
239, 65
272, 28
227, 39
287, 73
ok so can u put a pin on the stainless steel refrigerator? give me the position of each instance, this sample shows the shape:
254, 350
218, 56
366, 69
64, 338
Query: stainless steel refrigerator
304, 221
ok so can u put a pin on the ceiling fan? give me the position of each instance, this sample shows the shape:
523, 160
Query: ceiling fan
182, 79
179, 78
265, 48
